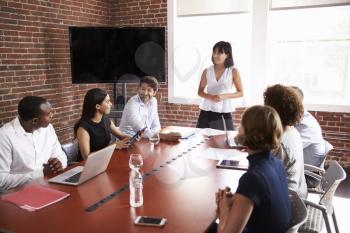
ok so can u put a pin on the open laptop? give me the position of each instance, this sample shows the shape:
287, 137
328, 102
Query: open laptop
95, 164
231, 142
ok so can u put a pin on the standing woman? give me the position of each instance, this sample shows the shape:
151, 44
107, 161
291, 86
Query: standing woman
219, 79
93, 130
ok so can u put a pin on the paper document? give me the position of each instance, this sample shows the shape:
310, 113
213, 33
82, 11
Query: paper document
228, 154
184, 132
212, 132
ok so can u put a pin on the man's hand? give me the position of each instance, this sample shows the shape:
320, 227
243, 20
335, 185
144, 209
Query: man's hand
52, 166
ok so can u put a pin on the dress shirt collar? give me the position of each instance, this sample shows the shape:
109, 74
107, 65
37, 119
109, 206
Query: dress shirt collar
143, 103
19, 128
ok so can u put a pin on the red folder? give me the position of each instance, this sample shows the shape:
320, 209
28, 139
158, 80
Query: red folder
34, 197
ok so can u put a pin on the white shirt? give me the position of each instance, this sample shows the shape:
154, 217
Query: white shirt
291, 154
215, 87
311, 136
137, 115
23, 154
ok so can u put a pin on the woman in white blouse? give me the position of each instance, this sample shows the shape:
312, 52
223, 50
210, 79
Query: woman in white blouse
218, 80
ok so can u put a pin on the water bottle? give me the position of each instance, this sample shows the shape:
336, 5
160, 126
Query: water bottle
135, 185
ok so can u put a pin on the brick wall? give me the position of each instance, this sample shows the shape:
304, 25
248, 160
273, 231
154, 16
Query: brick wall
34, 60
34, 55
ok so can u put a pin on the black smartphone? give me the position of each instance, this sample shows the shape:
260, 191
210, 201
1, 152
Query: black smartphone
150, 221
133, 139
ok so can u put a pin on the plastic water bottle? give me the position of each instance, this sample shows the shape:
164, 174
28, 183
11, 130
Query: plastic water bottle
135, 186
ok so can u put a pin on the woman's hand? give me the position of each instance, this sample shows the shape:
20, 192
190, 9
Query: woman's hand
122, 143
224, 199
216, 98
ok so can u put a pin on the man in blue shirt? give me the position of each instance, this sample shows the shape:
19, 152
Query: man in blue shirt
142, 110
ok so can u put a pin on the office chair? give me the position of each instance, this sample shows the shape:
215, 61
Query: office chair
71, 149
309, 169
326, 188
299, 211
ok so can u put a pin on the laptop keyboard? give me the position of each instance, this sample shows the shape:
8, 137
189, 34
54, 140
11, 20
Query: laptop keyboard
74, 178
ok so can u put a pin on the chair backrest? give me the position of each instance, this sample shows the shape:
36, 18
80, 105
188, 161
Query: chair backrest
299, 211
329, 183
71, 149
328, 148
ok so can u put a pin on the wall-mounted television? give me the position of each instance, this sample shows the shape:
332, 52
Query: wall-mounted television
116, 54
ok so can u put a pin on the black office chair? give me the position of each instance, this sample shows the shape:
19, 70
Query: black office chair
71, 149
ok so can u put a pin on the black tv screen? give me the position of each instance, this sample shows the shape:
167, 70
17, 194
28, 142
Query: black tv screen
108, 55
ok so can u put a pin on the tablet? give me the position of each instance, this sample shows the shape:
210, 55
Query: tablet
231, 164
133, 139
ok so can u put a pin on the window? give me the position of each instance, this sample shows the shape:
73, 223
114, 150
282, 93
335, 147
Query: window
310, 48
303, 43
193, 39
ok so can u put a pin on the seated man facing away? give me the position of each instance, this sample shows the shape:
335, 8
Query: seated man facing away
314, 147
29, 147
142, 110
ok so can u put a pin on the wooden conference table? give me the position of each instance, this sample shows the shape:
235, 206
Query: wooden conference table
177, 186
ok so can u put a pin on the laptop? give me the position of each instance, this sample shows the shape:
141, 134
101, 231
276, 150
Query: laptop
96, 163
231, 142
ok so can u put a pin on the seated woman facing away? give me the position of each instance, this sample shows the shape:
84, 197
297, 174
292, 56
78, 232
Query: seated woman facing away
261, 202
289, 106
94, 129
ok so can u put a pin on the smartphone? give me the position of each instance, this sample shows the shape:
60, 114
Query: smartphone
133, 139
150, 221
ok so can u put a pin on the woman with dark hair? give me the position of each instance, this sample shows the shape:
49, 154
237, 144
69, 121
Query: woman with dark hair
93, 130
218, 79
261, 202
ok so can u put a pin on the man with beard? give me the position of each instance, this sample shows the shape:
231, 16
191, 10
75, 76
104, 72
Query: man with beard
29, 147
142, 110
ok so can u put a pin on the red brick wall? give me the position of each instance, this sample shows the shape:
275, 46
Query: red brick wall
34, 55
34, 60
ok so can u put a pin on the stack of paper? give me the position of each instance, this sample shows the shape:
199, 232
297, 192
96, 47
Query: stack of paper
212, 132
182, 132
34, 197
224, 154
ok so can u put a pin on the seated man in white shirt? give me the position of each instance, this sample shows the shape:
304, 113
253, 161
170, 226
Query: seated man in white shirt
29, 147
141, 110
311, 136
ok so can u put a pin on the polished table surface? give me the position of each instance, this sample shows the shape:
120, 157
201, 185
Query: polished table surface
182, 190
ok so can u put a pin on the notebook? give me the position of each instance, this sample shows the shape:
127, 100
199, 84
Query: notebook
96, 163
231, 142
34, 197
